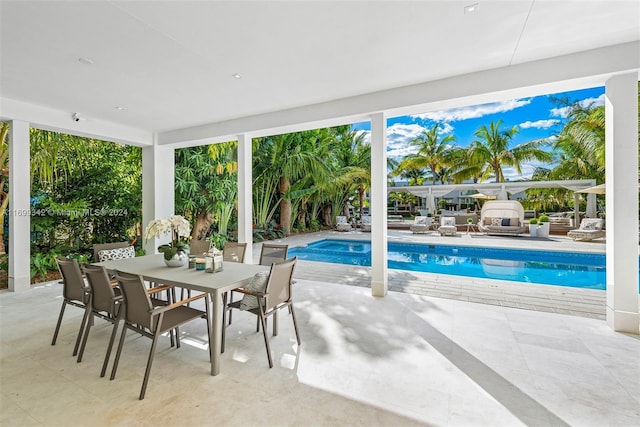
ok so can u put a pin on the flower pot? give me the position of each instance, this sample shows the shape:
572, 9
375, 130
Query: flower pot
180, 259
543, 229
533, 230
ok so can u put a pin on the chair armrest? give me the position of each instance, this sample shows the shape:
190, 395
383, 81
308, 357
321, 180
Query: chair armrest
157, 289
249, 292
164, 308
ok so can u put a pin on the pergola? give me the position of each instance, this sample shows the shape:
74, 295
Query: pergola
499, 190
164, 75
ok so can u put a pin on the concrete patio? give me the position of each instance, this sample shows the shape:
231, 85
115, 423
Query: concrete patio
406, 359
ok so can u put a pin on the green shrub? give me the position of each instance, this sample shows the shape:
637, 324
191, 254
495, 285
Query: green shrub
533, 221
543, 218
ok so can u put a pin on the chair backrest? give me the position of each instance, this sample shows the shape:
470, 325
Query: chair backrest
278, 288
199, 247
271, 253
74, 287
138, 304
102, 292
234, 251
341, 219
97, 247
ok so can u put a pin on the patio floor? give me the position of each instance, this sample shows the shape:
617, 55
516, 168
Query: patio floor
406, 359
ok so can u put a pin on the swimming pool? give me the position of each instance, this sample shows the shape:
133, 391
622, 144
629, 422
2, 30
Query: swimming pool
579, 270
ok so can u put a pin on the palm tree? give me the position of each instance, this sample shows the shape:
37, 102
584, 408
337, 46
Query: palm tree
581, 145
286, 158
433, 152
491, 149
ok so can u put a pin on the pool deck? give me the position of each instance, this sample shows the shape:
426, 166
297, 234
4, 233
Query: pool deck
555, 299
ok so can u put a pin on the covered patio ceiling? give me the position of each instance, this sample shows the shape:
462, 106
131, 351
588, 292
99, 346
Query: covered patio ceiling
168, 74
167, 70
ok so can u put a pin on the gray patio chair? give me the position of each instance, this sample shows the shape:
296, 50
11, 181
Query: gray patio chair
142, 317
105, 302
270, 253
199, 247
234, 251
75, 292
264, 298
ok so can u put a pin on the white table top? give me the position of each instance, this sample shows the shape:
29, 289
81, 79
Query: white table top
153, 268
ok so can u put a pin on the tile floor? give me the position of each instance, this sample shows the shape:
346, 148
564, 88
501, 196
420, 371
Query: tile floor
406, 359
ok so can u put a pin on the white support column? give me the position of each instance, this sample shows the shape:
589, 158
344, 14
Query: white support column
158, 189
378, 209
245, 195
592, 209
19, 206
621, 110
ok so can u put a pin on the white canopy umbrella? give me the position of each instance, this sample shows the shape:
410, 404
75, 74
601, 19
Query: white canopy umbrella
598, 189
482, 196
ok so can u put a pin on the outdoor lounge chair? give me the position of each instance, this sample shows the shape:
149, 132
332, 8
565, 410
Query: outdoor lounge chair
590, 228
448, 226
366, 223
502, 217
342, 224
421, 224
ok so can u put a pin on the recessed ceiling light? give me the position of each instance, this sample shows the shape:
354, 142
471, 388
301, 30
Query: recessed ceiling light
119, 107
85, 61
471, 8
236, 76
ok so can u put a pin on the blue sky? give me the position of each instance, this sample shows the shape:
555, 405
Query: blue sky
536, 117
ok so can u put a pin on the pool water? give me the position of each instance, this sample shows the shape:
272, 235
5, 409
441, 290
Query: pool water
579, 270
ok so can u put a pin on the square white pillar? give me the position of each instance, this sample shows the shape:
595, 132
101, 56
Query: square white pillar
621, 111
158, 190
245, 195
19, 206
378, 209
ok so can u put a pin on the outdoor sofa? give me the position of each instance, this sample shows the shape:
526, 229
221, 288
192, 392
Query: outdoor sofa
502, 217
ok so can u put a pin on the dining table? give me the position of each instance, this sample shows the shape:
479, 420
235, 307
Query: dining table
232, 276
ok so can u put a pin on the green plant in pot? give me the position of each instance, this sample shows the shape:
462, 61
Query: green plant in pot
179, 229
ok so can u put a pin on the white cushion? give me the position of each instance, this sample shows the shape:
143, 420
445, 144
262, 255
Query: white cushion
591, 224
496, 221
420, 220
119, 253
259, 284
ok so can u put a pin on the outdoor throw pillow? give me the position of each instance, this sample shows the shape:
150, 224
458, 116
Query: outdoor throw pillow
449, 221
259, 284
506, 222
589, 225
119, 253
496, 221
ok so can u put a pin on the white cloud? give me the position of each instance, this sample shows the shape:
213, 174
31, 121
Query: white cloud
475, 111
564, 111
539, 124
367, 135
445, 129
398, 137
